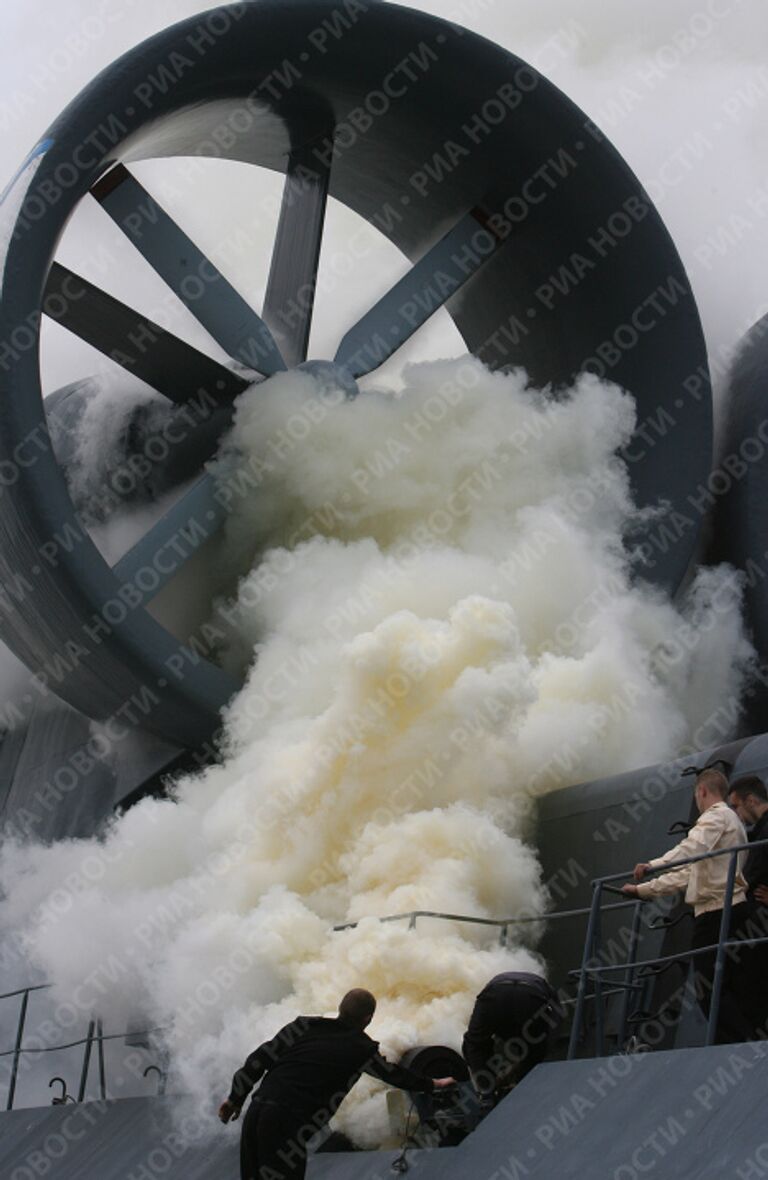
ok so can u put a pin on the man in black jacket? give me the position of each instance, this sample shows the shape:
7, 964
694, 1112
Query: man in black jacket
749, 799
509, 1031
308, 1068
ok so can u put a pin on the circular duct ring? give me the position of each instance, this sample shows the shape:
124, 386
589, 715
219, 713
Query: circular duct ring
515, 211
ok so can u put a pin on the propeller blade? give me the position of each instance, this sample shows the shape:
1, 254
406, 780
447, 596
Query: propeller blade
170, 365
443, 270
290, 292
200, 285
169, 544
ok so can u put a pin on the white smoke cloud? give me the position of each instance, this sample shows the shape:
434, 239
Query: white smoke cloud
436, 586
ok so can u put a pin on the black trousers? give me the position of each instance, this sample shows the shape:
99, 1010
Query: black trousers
270, 1146
758, 928
738, 1017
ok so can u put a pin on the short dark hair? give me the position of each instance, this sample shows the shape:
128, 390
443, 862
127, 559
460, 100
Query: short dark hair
750, 784
357, 1007
714, 781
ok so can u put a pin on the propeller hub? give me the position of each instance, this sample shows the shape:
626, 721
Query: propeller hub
331, 377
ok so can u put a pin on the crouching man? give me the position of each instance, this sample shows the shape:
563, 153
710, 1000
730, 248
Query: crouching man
308, 1068
510, 1031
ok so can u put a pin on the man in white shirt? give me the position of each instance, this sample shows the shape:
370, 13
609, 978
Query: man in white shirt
705, 883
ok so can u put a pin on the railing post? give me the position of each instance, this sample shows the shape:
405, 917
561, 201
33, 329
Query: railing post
86, 1061
578, 1015
597, 986
725, 922
503, 934
102, 1070
629, 979
17, 1050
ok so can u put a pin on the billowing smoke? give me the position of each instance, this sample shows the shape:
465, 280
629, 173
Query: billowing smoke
439, 587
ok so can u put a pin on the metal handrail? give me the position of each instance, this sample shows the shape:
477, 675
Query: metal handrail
95, 1035
689, 860
24, 992
679, 957
589, 969
503, 923
84, 1041
37, 987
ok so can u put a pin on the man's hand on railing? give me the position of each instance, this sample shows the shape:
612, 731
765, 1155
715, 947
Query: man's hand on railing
638, 873
761, 894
